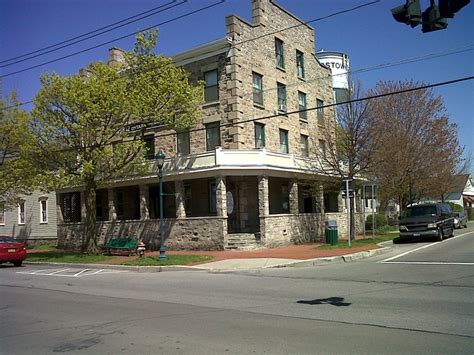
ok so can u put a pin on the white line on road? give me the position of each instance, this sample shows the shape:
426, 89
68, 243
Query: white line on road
58, 271
427, 263
389, 260
80, 272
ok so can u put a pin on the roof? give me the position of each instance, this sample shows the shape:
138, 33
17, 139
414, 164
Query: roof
459, 183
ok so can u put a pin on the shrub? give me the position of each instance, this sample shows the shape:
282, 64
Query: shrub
380, 221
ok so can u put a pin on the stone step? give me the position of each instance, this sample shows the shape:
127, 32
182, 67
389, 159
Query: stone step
243, 241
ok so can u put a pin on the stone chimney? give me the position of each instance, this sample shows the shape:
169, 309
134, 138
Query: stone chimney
259, 9
116, 55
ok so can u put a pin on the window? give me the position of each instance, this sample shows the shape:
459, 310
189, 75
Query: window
259, 135
149, 141
71, 207
304, 145
211, 88
302, 105
320, 111
281, 92
300, 64
182, 143
21, 213
213, 136
257, 88
2, 214
188, 200
212, 197
322, 148
284, 141
44, 211
279, 53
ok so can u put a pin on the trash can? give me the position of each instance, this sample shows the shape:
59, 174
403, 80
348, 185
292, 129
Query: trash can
331, 232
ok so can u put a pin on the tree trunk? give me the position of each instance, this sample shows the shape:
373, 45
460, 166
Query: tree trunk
90, 230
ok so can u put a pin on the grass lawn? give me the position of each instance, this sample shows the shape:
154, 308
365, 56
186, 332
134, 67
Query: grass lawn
63, 257
359, 242
77, 258
170, 260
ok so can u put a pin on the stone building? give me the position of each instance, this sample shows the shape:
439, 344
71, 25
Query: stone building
244, 175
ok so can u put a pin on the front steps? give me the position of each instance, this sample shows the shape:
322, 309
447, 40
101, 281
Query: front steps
243, 241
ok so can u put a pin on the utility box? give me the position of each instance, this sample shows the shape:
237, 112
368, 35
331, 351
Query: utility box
331, 232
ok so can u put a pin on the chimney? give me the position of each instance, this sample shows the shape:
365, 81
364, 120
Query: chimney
259, 8
115, 56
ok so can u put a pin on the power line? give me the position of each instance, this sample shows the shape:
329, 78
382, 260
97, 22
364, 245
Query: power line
116, 39
424, 87
91, 34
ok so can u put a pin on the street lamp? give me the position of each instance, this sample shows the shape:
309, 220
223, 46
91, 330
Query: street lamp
160, 159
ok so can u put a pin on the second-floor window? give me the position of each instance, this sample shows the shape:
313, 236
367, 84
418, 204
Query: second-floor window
182, 143
281, 92
257, 84
320, 111
302, 105
304, 145
300, 64
44, 211
284, 141
213, 136
279, 53
149, 141
211, 87
259, 135
21, 213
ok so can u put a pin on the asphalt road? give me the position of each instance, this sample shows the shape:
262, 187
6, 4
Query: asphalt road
416, 299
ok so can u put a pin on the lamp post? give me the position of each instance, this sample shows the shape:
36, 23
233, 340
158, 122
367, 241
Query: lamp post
160, 159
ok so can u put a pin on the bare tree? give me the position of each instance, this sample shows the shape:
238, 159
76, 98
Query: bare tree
417, 147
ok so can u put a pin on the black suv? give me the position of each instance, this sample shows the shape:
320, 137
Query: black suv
427, 220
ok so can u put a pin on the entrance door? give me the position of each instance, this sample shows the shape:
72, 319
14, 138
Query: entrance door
233, 208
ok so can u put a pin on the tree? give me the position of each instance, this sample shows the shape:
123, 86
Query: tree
349, 147
418, 148
15, 180
80, 122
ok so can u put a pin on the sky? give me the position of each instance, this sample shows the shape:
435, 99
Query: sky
369, 35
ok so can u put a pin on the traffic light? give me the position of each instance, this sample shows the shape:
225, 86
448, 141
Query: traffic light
432, 20
448, 8
409, 14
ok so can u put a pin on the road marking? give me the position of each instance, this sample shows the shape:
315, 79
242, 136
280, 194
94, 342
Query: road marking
389, 260
70, 272
427, 263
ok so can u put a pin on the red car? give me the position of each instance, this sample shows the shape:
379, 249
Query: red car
12, 251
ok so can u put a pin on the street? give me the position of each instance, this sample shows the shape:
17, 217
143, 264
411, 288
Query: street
415, 299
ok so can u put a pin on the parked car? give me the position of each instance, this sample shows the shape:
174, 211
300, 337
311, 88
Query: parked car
12, 251
460, 219
427, 220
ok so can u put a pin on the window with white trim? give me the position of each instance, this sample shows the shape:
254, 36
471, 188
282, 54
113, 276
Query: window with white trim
21, 212
44, 210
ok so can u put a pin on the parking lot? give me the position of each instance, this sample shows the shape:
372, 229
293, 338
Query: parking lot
70, 272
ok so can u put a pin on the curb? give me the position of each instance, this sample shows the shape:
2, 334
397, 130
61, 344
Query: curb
297, 263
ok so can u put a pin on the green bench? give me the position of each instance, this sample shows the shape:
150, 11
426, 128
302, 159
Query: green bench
121, 245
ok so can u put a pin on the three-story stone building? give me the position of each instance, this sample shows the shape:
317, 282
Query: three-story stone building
244, 175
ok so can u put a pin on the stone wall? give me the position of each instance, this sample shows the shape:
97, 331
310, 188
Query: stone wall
206, 233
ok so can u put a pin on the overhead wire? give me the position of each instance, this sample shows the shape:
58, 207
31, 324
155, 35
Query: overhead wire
91, 34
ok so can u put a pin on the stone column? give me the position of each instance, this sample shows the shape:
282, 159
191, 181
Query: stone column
144, 198
83, 206
111, 201
294, 207
263, 202
221, 197
179, 196
59, 210
340, 203
319, 199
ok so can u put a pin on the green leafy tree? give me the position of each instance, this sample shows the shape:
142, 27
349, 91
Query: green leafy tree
80, 122
15, 177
